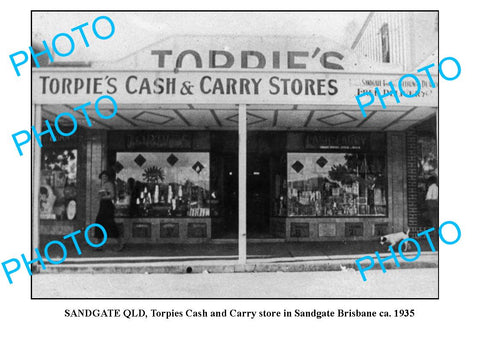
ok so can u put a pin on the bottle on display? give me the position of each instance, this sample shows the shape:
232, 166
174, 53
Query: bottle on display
170, 195
156, 194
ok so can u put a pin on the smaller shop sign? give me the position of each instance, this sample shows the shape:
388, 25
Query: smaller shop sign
159, 140
344, 141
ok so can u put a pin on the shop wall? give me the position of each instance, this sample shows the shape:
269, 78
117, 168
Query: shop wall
369, 40
423, 37
412, 37
412, 179
396, 155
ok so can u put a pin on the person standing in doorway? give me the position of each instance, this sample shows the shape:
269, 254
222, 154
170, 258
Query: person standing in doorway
106, 212
431, 200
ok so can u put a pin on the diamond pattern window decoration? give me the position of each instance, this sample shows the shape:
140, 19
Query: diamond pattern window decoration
117, 167
198, 167
140, 160
338, 118
322, 161
252, 119
297, 166
172, 159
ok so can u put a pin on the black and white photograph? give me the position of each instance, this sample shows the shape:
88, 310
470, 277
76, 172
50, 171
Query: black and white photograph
243, 170
205, 154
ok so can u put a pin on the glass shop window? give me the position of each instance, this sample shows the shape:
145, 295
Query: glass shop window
336, 184
163, 184
427, 168
279, 185
385, 36
58, 184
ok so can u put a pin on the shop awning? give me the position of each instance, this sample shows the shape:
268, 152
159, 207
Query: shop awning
260, 117
197, 82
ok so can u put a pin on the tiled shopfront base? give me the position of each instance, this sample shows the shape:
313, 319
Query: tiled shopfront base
166, 230
313, 229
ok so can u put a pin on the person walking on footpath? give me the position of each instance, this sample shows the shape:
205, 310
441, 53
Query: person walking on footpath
106, 212
431, 199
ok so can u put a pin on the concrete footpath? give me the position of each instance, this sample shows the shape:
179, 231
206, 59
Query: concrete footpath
405, 284
222, 258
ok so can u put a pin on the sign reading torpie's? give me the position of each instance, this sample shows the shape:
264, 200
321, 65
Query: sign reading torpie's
228, 70
250, 59
247, 53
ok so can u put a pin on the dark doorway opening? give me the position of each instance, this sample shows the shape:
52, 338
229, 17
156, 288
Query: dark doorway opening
224, 181
230, 196
258, 196
265, 152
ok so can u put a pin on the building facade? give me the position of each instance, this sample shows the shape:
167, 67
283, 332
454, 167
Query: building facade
410, 41
229, 138
406, 39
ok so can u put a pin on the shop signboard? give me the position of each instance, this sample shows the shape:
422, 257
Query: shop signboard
345, 141
221, 69
155, 140
60, 86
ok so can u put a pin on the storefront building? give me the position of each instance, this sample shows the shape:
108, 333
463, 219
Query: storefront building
409, 40
228, 138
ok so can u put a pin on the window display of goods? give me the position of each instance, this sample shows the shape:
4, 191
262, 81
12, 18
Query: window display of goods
162, 184
336, 184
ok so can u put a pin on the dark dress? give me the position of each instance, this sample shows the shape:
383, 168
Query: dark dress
105, 217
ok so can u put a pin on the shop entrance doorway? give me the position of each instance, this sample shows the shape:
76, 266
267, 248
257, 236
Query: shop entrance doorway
258, 193
224, 182
230, 194
265, 152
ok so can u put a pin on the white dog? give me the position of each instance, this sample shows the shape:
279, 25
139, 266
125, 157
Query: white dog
393, 239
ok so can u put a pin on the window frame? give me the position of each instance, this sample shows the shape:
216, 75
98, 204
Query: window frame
168, 151
61, 149
385, 43
383, 154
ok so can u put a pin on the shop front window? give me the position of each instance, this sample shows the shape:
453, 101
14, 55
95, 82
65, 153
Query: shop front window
427, 171
385, 43
336, 184
163, 184
58, 184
